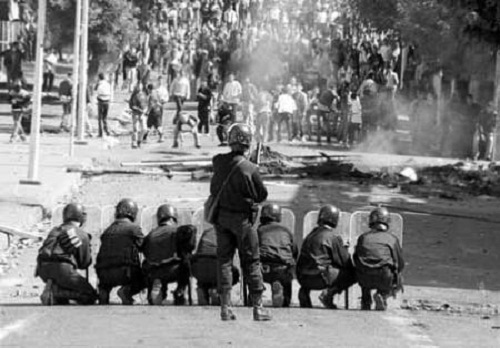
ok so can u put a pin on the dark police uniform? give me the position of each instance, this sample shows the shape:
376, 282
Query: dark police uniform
161, 260
60, 264
118, 258
324, 262
234, 223
379, 261
204, 264
277, 254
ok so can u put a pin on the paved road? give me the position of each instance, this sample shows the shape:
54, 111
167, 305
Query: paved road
144, 326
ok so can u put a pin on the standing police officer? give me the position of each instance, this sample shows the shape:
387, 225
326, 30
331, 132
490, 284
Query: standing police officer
162, 264
234, 222
324, 261
277, 254
204, 267
118, 258
66, 249
379, 261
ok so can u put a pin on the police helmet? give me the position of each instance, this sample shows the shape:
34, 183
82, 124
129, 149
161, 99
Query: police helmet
74, 212
379, 216
329, 215
126, 208
270, 212
165, 212
240, 134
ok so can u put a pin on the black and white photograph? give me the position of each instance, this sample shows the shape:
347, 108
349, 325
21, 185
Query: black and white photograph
250, 173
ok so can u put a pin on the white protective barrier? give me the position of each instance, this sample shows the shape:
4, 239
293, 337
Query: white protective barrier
311, 221
149, 220
108, 216
93, 224
287, 219
359, 225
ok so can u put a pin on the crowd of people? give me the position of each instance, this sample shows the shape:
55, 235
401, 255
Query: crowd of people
269, 254
302, 64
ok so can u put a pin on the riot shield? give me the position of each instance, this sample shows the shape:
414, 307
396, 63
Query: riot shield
108, 216
311, 219
93, 224
149, 221
359, 225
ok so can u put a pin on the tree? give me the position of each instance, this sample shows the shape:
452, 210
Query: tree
112, 24
437, 27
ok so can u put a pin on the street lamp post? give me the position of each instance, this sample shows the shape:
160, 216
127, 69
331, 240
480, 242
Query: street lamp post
34, 157
82, 107
76, 65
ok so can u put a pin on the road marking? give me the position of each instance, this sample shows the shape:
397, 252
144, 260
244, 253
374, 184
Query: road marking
15, 326
414, 335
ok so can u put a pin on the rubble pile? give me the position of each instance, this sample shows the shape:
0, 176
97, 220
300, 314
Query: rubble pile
453, 181
456, 181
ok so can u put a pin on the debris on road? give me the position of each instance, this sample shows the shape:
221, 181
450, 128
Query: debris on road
483, 310
97, 172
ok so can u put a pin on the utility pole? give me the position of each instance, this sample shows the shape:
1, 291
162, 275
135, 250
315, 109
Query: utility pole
76, 65
82, 105
496, 99
34, 157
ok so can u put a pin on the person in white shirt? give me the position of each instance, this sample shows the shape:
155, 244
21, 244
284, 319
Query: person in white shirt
180, 90
354, 118
231, 94
48, 71
231, 17
103, 89
285, 107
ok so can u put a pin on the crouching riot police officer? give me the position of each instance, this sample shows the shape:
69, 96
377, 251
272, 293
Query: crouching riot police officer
66, 249
165, 256
324, 261
118, 261
204, 268
241, 188
379, 261
277, 254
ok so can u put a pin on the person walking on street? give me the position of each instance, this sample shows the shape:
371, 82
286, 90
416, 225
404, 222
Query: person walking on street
48, 72
180, 90
139, 104
204, 101
486, 126
65, 95
12, 60
239, 186
231, 94
103, 89
19, 100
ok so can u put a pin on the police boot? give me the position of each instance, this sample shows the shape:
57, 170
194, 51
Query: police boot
47, 296
366, 299
124, 295
156, 293
214, 297
225, 307
203, 296
277, 294
326, 298
103, 296
259, 313
304, 298
179, 298
380, 301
